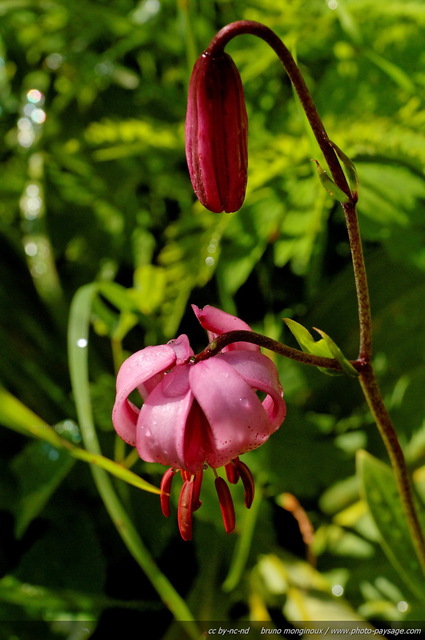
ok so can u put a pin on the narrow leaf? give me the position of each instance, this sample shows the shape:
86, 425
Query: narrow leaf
336, 352
16, 416
39, 470
309, 345
334, 191
380, 493
350, 170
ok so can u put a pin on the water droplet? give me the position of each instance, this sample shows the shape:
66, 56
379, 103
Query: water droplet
337, 590
82, 342
34, 96
54, 61
38, 116
53, 454
31, 249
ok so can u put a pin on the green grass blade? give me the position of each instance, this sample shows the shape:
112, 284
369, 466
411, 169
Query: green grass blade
18, 417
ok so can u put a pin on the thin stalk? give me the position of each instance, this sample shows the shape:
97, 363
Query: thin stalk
230, 337
360, 278
261, 31
255, 28
364, 363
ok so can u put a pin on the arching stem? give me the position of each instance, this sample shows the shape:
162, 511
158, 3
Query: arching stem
363, 364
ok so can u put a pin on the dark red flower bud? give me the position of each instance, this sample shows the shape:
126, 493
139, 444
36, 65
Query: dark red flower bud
216, 133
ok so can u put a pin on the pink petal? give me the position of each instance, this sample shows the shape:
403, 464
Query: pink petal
216, 322
182, 349
168, 429
260, 373
142, 370
237, 419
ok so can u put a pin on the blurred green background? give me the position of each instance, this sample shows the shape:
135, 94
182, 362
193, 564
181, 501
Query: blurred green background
94, 189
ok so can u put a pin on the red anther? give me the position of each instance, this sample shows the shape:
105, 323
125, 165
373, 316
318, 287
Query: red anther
226, 504
165, 487
248, 482
196, 503
232, 472
185, 510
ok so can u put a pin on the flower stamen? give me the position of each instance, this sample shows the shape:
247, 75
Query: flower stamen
165, 487
226, 504
185, 510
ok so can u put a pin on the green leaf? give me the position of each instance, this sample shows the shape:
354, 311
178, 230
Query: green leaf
39, 468
350, 170
334, 191
346, 365
309, 345
149, 288
15, 415
380, 492
34, 596
306, 340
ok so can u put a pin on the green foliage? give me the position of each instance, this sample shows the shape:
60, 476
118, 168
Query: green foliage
380, 493
96, 207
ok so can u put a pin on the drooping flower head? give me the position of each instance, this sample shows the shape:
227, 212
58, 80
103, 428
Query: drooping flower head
199, 414
216, 133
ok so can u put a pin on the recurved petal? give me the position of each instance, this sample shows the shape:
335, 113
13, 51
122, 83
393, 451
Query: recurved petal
165, 425
182, 348
260, 373
140, 371
216, 322
136, 371
237, 419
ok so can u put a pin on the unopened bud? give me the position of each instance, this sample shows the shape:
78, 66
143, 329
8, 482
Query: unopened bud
216, 133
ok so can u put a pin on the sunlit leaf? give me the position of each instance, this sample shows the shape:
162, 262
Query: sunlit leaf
381, 494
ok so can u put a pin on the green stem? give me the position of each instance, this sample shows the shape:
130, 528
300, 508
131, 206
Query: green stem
78, 364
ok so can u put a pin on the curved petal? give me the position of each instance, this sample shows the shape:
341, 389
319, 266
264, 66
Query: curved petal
260, 373
216, 322
238, 422
182, 349
165, 427
143, 371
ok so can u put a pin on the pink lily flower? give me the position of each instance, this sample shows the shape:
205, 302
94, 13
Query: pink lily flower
199, 414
